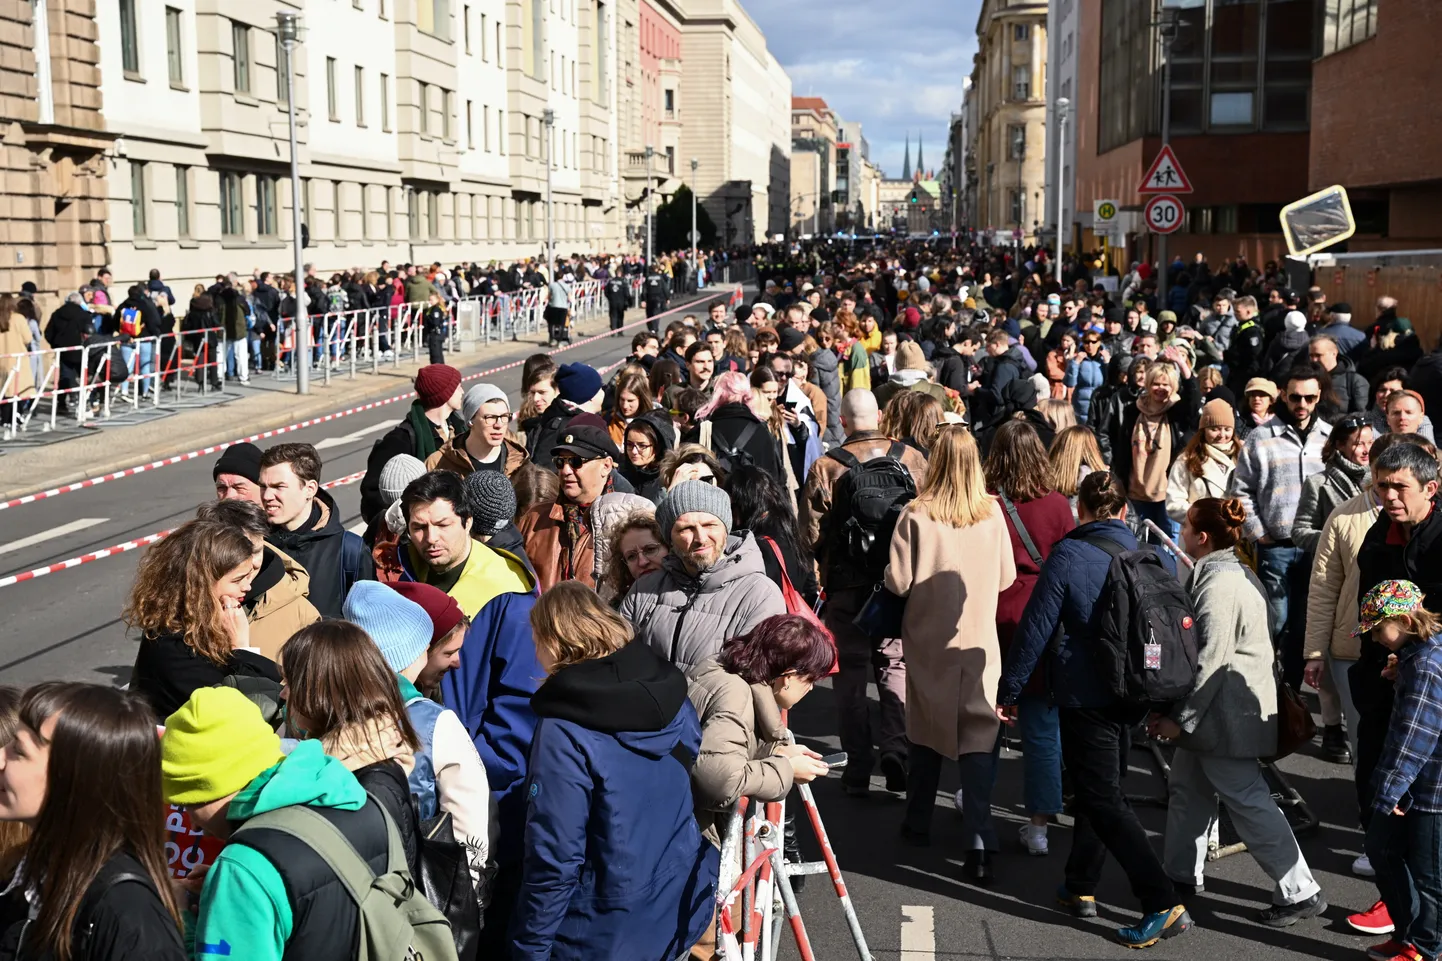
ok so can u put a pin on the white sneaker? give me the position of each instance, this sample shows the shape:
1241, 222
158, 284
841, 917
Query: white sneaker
1033, 837
1362, 867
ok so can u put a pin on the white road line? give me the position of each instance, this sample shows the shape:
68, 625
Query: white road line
354, 435
358, 529
918, 933
54, 532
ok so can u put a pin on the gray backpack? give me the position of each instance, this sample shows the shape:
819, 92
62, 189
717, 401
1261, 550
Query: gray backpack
397, 923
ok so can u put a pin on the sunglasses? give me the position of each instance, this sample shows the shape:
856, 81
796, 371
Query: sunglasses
563, 461
1304, 398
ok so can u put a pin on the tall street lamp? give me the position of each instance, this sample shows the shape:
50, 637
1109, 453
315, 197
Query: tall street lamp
694, 235
1167, 28
287, 24
1061, 108
549, 116
650, 203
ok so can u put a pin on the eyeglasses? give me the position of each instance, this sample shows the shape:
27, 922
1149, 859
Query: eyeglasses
639, 445
1304, 398
495, 420
563, 461
707, 479
650, 552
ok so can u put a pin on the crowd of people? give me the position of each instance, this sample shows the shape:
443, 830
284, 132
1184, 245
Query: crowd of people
564, 646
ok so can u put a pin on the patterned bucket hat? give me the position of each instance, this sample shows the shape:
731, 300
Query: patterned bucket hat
1387, 599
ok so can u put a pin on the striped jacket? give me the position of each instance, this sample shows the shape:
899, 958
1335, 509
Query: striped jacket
1270, 471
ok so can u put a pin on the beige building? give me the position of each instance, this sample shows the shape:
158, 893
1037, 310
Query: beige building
869, 196
813, 166
1007, 143
421, 132
52, 148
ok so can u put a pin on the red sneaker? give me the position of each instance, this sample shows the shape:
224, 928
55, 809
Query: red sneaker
1374, 920
1393, 951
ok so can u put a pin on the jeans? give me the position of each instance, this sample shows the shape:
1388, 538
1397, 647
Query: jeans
859, 660
1195, 784
254, 340
1407, 855
1094, 745
978, 775
1279, 567
1156, 512
1041, 754
146, 368
1338, 670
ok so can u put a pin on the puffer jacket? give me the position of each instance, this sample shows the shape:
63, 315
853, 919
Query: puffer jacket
606, 515
687, 618
1184, 488
1321, 494
1332, 599
1351, 389
1084, 376
740, 725
278, 602
1220, 328
824, 373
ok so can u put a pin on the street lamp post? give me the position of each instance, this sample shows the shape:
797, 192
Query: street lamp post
694, 235
287, 24
1167, 29
1061, 108
650, 203
549, 117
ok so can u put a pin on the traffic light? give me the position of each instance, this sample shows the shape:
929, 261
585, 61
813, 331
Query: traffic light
912, 198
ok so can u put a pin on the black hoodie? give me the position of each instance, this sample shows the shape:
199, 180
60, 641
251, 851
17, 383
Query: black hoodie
647, 480
633, 689
318, 546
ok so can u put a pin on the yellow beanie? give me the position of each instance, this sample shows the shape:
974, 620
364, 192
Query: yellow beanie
216, 744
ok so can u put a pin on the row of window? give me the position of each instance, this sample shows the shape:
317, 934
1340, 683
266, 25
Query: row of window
250, 207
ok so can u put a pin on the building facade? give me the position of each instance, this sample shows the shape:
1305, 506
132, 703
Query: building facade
814, 135
1369, 52
1008, 145
52, 216
1061, 84
852, 153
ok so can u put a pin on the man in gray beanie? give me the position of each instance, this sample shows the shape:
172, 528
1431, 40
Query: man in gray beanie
483, 444
712, 587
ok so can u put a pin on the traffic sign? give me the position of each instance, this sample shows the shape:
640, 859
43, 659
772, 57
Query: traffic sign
1103, 213
1163, 214
1165, 175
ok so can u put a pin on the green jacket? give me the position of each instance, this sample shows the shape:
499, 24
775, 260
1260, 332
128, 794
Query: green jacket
243, 903
418, 289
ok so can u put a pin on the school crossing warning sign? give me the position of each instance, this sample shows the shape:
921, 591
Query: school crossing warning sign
1165, 175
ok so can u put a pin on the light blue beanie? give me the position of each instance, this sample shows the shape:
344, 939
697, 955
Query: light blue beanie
400, 627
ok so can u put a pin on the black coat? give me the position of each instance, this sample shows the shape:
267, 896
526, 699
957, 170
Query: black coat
69, 326
1426, 379
1353, 394
400, 439
167, 671
727, 424
318, 546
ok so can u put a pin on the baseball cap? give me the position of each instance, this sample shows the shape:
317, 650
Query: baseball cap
587, 442
1388, 599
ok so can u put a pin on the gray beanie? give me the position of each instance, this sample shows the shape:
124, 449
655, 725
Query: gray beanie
399, 471
491, 500
689, 496
479, 395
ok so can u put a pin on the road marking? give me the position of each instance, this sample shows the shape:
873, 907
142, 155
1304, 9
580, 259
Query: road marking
358, 529
918, 933
54, 532
353, 436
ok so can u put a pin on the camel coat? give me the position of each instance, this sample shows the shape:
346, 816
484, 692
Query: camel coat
17, 340
952, 577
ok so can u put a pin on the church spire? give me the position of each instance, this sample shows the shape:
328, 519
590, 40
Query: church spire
920, 164
906, 165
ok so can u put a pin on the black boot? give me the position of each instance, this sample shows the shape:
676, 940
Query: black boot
791, 847
1334, 745
977, 867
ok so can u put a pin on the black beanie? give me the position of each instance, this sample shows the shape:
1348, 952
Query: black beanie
240, 459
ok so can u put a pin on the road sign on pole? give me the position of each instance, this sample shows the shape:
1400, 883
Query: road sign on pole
1163, 214
1165, 175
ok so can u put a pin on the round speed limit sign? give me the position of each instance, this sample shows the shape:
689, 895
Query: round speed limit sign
1163, 214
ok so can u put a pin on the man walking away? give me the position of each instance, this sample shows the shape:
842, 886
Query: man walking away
618, 298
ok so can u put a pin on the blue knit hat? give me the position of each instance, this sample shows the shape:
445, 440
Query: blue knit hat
577, 383
400, 627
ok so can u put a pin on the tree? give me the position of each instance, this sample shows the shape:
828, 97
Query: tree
673, 223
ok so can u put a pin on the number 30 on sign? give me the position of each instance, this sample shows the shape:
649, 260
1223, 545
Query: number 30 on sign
1163, 214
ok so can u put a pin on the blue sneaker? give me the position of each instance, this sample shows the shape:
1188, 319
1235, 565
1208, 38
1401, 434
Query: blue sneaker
1154, 927
1080, 905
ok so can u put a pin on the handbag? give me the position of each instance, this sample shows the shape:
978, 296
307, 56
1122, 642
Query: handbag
880, 617
1295, 726
796, 604
446, 883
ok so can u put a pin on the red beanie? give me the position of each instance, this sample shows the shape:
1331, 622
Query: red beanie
435, 383
442, 608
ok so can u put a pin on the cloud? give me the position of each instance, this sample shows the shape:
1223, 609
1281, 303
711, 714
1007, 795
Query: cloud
896, 67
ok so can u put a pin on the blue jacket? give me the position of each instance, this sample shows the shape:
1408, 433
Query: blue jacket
615, 865
1351, 341
1070, 583
491, 689
1085, 374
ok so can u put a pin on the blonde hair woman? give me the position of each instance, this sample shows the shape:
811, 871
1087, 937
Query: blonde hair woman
609, 785
1074, 454
1152, 433
951, 555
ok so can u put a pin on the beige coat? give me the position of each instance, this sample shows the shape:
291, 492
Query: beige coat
740, 726
952, 577
1184, 488
282, 610
1332, 599
16, 340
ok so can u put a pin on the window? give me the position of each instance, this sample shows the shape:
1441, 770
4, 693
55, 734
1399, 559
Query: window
129, 41
466, 27
1020, 31
1232, 109
1016, 141
470, 125
138, 202
486, 127
434, 17
360, 97
266, 212
602, 54
433, 214
1018, 205
500, 48
390, 213
423, 105
240, 56
1287, 65
1021, 82
485, 22
182, 202
670, 97
331, 106
413, 214
365, 211
501, 130
173, 53
448, 109
230, 204
670, 159
1124, 71
282, 75
385, 103
1345, 22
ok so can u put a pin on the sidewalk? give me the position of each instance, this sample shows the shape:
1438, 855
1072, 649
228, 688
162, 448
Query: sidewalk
119, 444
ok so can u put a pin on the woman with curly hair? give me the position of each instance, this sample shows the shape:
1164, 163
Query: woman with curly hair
636, 549
186, 604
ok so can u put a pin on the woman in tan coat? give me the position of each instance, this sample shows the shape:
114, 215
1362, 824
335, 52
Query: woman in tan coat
951, 555
15, 339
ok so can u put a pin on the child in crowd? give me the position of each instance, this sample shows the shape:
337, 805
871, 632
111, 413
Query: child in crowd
1405, 831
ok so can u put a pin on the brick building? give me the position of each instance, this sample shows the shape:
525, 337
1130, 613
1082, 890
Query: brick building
1376, 128
52, 146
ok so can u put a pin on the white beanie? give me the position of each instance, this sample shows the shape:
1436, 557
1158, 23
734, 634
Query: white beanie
399, 471
1295, 320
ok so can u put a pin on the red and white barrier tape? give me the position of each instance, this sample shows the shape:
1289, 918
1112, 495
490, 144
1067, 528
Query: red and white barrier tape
128, 545
216, 448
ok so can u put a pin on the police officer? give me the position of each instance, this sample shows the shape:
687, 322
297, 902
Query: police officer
655, 293
618, 296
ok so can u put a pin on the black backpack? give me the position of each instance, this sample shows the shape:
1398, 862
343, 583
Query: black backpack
865, 502
733, 454
1145, 628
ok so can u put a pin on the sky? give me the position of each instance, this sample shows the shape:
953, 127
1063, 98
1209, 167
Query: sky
894, 66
